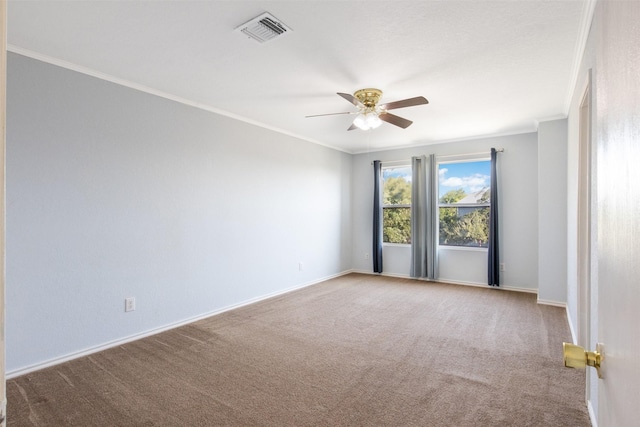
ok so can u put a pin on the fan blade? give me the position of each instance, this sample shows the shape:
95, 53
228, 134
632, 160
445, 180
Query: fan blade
395, 120
330, 114
410, 102
352, 99
352, 127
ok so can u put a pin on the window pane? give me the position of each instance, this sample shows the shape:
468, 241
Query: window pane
396, 227
464, 226
396, 201
464, 182
397, 186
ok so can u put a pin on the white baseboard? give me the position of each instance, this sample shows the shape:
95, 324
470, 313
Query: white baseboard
574, 337
397, 276
592, 414
56, 361
452, 282
371, 273
484, 285
355, 270
552, 303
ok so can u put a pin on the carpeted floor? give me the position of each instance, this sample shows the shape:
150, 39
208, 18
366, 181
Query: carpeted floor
359, 350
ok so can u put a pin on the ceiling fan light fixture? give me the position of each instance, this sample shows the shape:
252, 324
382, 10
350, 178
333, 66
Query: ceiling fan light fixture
367, 120
371, 115
373, 120
361, 122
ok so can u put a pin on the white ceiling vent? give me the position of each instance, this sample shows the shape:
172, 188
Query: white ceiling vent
264, 28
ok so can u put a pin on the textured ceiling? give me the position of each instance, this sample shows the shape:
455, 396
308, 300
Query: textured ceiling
487, 67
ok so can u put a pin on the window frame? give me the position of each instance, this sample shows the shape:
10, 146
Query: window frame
463, 158
394, 165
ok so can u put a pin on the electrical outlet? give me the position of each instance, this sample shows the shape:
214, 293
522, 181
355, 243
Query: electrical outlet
300, 266
502, 267
129, 304
366, 255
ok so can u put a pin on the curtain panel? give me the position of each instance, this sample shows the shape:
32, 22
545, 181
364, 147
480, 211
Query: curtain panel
494, 250
424, 218
377, 217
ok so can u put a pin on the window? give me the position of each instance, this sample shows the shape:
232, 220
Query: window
396, 204
464, 192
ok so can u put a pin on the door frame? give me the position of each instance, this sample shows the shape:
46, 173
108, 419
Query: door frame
586, 226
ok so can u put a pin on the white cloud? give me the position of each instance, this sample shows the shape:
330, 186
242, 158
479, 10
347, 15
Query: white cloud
470, 184
454, 181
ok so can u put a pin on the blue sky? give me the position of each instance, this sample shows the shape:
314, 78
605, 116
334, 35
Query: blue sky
404, 171
470, 176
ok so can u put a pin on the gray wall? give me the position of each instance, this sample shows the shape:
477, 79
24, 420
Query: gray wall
518, 210
113, 193
552, 211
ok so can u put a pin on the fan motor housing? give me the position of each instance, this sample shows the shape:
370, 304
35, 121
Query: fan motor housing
369, 97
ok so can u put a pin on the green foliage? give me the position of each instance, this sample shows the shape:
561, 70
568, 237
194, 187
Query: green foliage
453, 196
397, 191
449, 217
448, 229
397, 225
397, 221
464, 226
459, 226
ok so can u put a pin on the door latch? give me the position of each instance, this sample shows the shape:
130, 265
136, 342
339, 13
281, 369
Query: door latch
577, 357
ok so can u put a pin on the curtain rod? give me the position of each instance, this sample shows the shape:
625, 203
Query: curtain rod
499, 150
407, 161
484, 153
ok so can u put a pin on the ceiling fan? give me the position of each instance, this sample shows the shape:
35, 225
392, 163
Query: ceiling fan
370, 114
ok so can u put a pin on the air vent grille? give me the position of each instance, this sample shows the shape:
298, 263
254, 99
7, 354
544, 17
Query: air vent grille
264, 28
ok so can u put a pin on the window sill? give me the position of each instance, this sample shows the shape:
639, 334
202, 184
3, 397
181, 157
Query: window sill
399, 245
462, 248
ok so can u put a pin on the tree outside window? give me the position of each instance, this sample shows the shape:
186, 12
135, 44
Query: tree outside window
396, 201
464, 203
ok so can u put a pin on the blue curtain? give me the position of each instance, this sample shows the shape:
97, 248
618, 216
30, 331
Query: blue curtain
494, 250
423, 218
377, 217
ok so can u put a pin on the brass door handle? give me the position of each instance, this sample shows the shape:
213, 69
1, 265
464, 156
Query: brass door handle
577, 357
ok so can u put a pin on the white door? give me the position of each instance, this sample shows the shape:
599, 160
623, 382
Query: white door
618, 194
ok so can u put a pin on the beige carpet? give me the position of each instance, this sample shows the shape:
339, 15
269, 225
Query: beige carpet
354, 351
